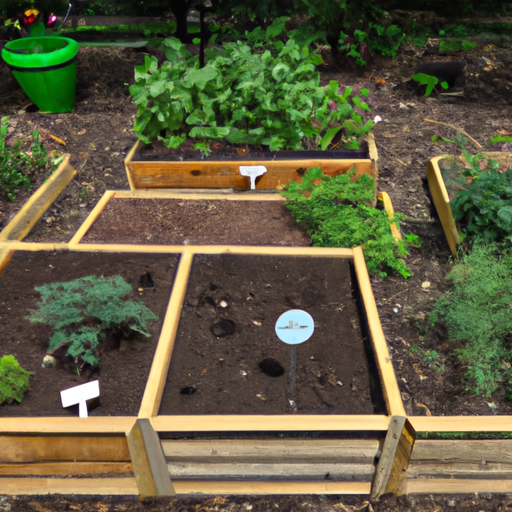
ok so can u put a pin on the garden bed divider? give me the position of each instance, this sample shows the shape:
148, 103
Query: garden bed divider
38, 203
223, 174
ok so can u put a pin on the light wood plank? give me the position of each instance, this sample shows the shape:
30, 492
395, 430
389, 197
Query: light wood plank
149, 464
266, 423
158, 374
19, 448
54, 425
225, 174
360, 451
91, 218
442, 203
457, 486
240, 471
461, 423
394, 459
77, 486
258, 488
198, 195
39, 202
32, 246
66, 468
387, 374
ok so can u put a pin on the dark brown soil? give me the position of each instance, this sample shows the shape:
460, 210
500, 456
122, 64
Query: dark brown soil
181, 221
216, 370
125, 361
99, 134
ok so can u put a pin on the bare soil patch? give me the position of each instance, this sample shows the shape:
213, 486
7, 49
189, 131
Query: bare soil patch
124, 361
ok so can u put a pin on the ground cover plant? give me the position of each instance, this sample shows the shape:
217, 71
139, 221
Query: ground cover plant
83, 312
14, 380
18, 163
337, 212
260, 91
476, 313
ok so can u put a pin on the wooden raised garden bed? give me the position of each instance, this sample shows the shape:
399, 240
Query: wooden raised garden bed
145, 174
442, 193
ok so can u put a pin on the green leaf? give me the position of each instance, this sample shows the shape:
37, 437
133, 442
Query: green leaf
327, 138
199, 77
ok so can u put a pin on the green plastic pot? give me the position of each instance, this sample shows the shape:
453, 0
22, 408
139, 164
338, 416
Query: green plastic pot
45, 67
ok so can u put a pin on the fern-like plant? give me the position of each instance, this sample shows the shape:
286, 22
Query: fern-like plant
14, 380
337, 212
84, 311
477, 314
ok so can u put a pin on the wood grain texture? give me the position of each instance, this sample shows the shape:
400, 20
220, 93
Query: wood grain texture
457, 486
355, 451
158, 373
387, 373
77, 486
20, 449
38, 203
239, 471
53, 425
274, 422
394, 459
442, 203
151, 473
258, 488
66, 468
198, 195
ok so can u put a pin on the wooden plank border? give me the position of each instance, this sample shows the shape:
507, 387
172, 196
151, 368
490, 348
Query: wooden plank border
38, 203
461, 423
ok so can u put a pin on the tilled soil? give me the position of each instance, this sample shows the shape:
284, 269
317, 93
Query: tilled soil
99, 134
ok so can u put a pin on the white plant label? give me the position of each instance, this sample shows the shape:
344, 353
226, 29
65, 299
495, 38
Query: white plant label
252, 171
295, 326
79, 395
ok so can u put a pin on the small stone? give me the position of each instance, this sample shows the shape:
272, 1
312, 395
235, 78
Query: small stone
256, 322
223, 304
49, 362
425, 284
261, 397
339, 383
243, 373
140, 289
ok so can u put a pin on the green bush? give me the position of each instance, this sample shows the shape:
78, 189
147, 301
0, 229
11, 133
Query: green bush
84, 311
260, 91
14, 380
17, 164
477, 315
337, 212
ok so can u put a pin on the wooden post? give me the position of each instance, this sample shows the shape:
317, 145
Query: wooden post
149, 466
394, 459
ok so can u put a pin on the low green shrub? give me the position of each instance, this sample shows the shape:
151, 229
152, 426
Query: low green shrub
337, 212
84, 311
14, 380
18, 164
477, 315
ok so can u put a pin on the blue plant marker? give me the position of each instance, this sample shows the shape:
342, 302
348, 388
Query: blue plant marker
293, 328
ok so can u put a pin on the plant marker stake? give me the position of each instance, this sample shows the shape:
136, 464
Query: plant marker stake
253, 171
79, 395
294, 327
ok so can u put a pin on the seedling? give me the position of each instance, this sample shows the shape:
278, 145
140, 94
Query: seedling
430, 81
14, 380
84, 311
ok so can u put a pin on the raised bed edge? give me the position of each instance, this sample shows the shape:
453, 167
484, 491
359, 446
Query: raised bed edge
198, 174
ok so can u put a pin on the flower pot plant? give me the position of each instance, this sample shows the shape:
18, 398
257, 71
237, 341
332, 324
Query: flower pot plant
45, 67
257, 101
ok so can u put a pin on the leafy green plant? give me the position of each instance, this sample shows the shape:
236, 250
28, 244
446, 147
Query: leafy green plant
455, 45
430, 81
261, 91
18, 165
84, 311
14, 380
482, 204
337, 212
476, 313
